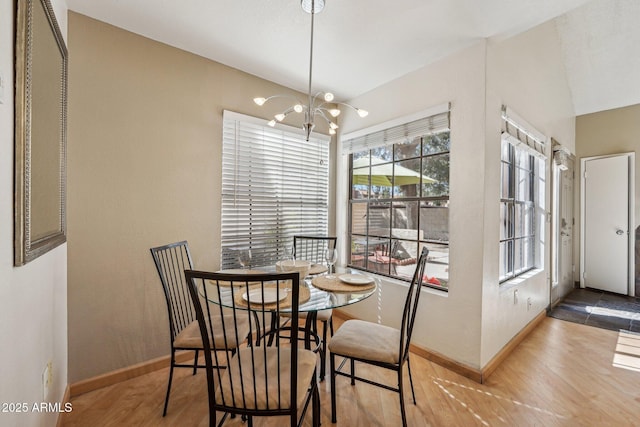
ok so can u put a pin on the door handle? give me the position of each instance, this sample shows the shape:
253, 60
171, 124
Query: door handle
619, 232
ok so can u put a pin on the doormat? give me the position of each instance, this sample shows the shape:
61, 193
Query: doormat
600, 309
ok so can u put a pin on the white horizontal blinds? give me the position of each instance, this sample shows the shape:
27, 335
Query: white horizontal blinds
274, 185
519, 133
399, 131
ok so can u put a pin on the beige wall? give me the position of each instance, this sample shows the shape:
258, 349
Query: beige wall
608, 132
527, 74
448, 323
477, 317
144, 157
33, 298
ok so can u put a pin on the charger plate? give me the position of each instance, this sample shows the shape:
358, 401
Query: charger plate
285, 286
336, 285
317, 269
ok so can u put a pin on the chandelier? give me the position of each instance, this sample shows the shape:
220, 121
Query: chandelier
321, 104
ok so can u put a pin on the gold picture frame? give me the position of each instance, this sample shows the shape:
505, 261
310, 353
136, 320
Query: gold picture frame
40, 132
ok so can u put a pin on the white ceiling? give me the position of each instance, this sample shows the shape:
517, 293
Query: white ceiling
361, 44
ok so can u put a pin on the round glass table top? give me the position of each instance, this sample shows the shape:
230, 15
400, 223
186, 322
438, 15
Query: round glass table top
316, 293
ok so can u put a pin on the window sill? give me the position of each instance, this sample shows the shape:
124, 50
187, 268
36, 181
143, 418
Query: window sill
399, 282
516, 281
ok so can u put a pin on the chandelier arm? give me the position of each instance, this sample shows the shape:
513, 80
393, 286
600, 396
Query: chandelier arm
313, 102
319, 112
348, 105
282, 96
322, 110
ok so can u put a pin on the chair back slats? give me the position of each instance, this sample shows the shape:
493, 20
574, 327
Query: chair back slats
259, 379
171, 260
411, 305
311, 248
390, 249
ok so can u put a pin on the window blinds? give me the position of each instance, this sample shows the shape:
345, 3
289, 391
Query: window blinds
274, 185
398, 131
519, 133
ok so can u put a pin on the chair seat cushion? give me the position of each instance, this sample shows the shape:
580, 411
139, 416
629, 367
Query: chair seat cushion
265, 378
366, 340
190, 336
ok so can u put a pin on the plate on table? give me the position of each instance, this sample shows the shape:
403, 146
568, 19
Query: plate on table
268, 297
356, 279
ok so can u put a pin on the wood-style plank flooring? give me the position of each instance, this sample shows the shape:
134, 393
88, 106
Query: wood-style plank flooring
562, 374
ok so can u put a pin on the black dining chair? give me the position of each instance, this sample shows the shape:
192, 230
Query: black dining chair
312, 248
260, 380
378, 345
171, 261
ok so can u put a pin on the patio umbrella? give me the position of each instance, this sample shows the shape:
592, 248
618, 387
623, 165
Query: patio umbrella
382, 173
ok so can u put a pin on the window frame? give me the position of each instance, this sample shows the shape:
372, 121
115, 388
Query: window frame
421, 200
516, 202
252, 148
521, 139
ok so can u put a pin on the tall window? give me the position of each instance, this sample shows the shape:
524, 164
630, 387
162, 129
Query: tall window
522, 196
399, 199
274, 185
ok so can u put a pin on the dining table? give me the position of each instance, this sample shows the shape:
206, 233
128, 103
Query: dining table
317, 292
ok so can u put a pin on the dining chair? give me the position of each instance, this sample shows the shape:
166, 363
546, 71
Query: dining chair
171, 260
378, 345
260, 380
312, 248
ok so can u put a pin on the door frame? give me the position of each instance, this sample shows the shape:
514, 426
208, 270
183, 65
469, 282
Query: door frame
555, 214
631, 220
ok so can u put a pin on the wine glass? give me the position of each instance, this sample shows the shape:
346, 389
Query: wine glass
331, 256
244, 258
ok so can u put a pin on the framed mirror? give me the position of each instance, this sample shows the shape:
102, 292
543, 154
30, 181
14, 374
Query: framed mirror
40, 126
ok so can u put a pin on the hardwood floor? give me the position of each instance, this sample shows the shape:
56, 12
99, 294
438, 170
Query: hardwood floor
562, 374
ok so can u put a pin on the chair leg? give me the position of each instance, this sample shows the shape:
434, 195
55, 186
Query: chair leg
401, 392
166, 399
353, 371
413, 393
323, 351
332, 368
195, 362
316, 405
275, 324
256, 320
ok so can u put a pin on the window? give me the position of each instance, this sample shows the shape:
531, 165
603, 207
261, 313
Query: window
399, 199
522, 193
274, 185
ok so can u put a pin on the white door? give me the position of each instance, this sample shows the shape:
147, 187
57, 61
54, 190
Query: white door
605, 204
562, 226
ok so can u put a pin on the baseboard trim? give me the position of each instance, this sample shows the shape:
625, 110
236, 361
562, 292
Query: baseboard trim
477, 375
511, 345
66, 397
124, 374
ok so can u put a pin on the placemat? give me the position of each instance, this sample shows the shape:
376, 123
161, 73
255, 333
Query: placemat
336, 285
317, 269
238, 271
305, 294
